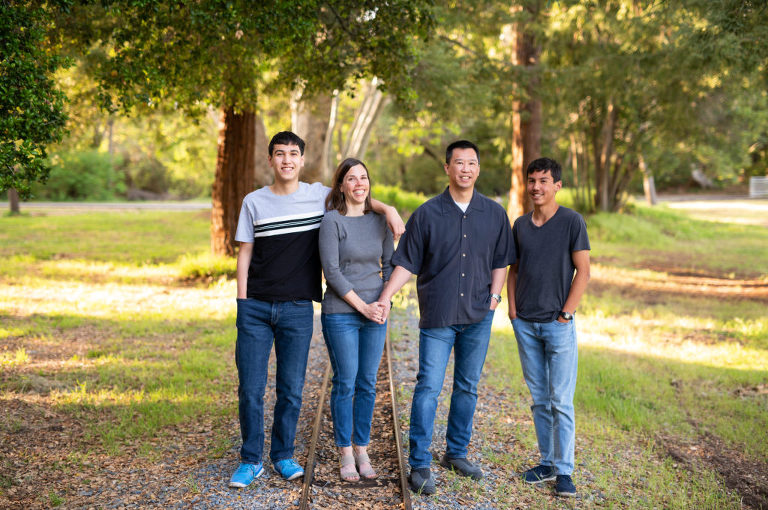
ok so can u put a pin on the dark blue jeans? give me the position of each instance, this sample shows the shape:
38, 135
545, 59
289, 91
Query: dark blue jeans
354, 345
289, 325
470, 345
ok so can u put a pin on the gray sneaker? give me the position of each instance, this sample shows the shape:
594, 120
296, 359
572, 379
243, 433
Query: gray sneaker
421, 481
462, 467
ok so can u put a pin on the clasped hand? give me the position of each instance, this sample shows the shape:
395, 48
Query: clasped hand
377, 311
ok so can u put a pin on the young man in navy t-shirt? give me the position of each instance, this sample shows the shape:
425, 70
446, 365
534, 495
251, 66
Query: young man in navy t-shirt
551, 243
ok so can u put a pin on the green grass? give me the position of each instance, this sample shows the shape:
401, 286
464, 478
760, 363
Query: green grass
100, 326
649, 237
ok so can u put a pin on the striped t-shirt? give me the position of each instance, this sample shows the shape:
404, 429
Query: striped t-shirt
285, 264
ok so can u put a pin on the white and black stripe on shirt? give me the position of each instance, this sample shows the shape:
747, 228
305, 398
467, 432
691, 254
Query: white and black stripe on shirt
287, 224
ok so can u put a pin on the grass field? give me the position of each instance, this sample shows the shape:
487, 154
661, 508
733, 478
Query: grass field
109, 353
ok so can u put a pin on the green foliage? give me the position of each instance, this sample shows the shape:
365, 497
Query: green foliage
31, 115
146, 173
404, 201
158, 51
88, 175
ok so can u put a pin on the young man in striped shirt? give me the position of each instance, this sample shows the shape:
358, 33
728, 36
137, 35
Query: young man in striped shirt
278, 277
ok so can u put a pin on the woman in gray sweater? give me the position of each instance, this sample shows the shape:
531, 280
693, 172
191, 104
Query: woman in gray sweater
355, 249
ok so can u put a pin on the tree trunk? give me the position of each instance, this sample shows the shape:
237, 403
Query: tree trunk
262, 171
603, 158
526, 116
328, 155
365, 118
309, 119
13, 201
649, 187
234, 177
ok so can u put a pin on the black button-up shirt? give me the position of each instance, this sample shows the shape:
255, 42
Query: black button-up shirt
453, 254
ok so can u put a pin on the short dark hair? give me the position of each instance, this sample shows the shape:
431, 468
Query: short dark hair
335, 199
544, 164
460, 144
286, 138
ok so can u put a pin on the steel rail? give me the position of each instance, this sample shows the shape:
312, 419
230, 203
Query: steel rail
309, 468
396, 425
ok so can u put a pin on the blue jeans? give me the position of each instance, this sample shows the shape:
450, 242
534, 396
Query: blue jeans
354, 346
470, 345
549, 357
289, 325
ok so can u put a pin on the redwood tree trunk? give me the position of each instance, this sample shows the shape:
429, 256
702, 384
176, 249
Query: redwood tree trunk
234, 177
526, 118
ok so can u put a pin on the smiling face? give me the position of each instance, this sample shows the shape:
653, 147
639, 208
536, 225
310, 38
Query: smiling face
463, 169
355, 185
542, 188
286, 162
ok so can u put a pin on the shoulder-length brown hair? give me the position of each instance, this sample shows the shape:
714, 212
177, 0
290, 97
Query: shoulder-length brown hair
335, 199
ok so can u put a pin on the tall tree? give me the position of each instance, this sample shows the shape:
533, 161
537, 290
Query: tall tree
31, 107
525, 52
199, 52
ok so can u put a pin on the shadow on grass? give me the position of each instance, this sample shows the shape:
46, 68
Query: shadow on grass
119, 380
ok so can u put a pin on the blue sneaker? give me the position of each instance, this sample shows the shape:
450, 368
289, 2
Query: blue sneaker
245, 474
288, 469
564, 486
539, 474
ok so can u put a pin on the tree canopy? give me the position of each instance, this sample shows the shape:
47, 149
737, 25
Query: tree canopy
31, 106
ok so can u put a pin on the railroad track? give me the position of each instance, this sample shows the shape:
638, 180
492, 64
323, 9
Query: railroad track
323, 487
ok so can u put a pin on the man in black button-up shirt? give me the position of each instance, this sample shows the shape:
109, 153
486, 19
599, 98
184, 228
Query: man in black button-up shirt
459, 244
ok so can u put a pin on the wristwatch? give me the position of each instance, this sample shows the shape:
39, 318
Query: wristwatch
498, 298
567, 316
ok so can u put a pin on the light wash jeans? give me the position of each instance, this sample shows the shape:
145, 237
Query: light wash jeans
260, 323
470, 345
549, 357
354, 346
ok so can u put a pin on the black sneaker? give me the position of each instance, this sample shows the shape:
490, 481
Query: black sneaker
421, 481
462, 467
539, 474
564, 486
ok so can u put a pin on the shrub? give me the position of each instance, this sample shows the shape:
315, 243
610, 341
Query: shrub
403, 201
88, 175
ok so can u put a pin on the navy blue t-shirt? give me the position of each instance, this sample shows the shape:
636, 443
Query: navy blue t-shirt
545, 267
454, 253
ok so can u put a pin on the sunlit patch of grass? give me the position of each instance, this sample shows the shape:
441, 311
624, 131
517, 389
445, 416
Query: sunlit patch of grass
206, 266
17, 357
141, 237
664, 237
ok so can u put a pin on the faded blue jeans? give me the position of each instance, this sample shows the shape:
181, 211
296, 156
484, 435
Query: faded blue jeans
549, 357
289, 325
470, 345
354, 346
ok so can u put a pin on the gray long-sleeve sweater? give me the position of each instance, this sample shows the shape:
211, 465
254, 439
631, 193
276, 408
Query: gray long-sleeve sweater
355, 252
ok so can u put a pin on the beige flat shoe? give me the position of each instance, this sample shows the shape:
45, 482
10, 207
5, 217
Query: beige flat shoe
363, 463
347, 469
